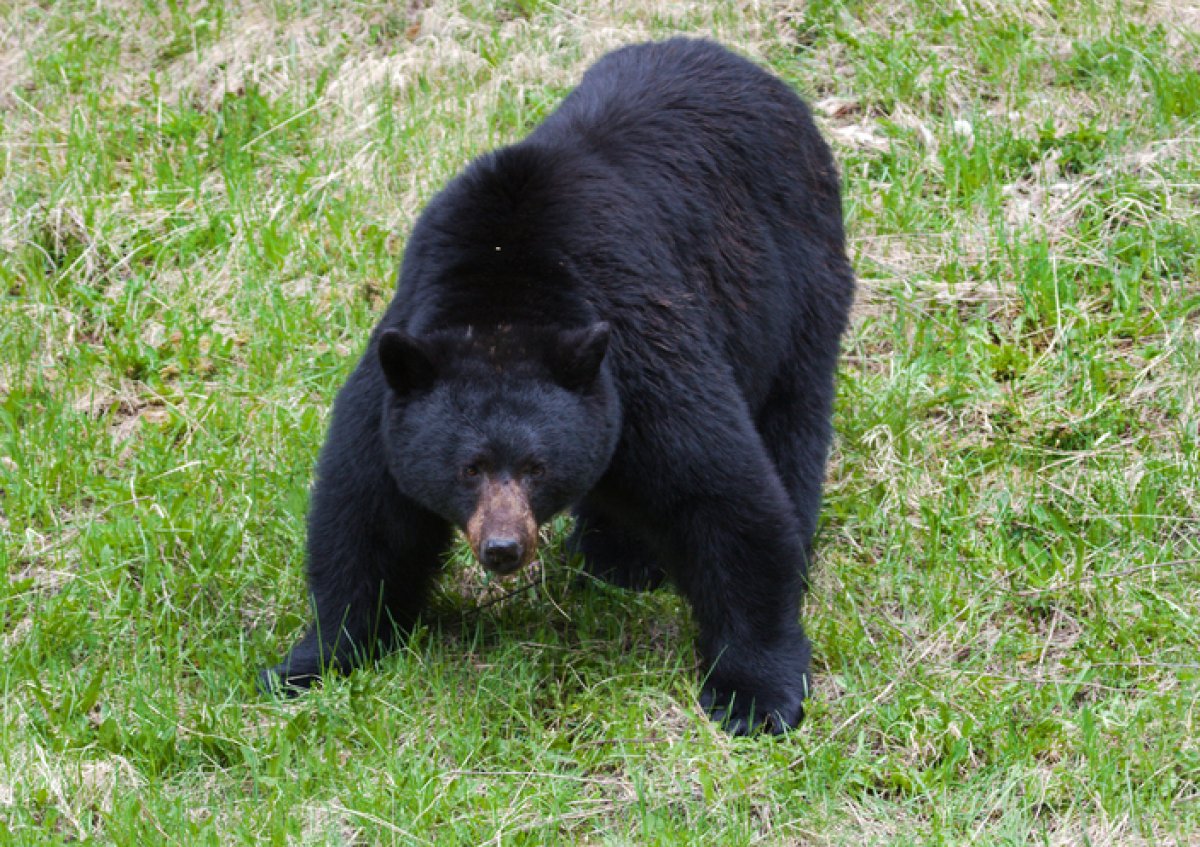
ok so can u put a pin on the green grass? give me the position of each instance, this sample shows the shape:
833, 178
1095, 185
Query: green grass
201, 213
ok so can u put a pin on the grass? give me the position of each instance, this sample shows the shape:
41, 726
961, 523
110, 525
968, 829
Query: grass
202, 207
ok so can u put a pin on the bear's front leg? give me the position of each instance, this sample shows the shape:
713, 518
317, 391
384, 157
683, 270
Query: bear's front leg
372, 555
368, 577
757, 686
735, 550
371, 561
743, 578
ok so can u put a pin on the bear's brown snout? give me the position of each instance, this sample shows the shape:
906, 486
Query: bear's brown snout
502, 531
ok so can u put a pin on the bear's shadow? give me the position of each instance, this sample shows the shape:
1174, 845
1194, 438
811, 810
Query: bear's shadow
557, 620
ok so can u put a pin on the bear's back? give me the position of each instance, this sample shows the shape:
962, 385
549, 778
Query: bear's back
679, 191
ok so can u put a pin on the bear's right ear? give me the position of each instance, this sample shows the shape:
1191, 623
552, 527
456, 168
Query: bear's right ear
406, 362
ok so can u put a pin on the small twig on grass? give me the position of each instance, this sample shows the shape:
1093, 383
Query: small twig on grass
570, 777
279, 126
1039, 681
1096, 577
519, 590
608, 742
378, 821
540, 582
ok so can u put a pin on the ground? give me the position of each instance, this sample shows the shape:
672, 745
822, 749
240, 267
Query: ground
201, 211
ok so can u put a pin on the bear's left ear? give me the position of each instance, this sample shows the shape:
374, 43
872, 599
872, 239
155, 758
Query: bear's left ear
577, 355
406, 362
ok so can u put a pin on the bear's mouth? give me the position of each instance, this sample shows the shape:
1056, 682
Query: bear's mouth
502, 531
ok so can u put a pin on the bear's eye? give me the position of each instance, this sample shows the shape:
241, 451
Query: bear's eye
470, 471
536, 471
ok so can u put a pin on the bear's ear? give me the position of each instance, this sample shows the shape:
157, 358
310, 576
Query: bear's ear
406, 362
577, 355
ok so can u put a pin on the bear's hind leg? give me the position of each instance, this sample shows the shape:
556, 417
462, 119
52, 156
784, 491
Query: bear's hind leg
612, 553
795, 427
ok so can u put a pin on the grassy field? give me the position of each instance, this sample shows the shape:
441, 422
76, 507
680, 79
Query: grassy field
202, 207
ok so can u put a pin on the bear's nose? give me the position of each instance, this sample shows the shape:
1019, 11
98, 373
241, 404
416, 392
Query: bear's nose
501, 554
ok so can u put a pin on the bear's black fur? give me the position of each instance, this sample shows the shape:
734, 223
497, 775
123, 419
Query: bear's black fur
633, 313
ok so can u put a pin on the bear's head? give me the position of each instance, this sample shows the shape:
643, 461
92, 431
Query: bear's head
499, 429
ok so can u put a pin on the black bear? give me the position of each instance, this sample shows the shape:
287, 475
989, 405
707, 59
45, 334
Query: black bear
634, 314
